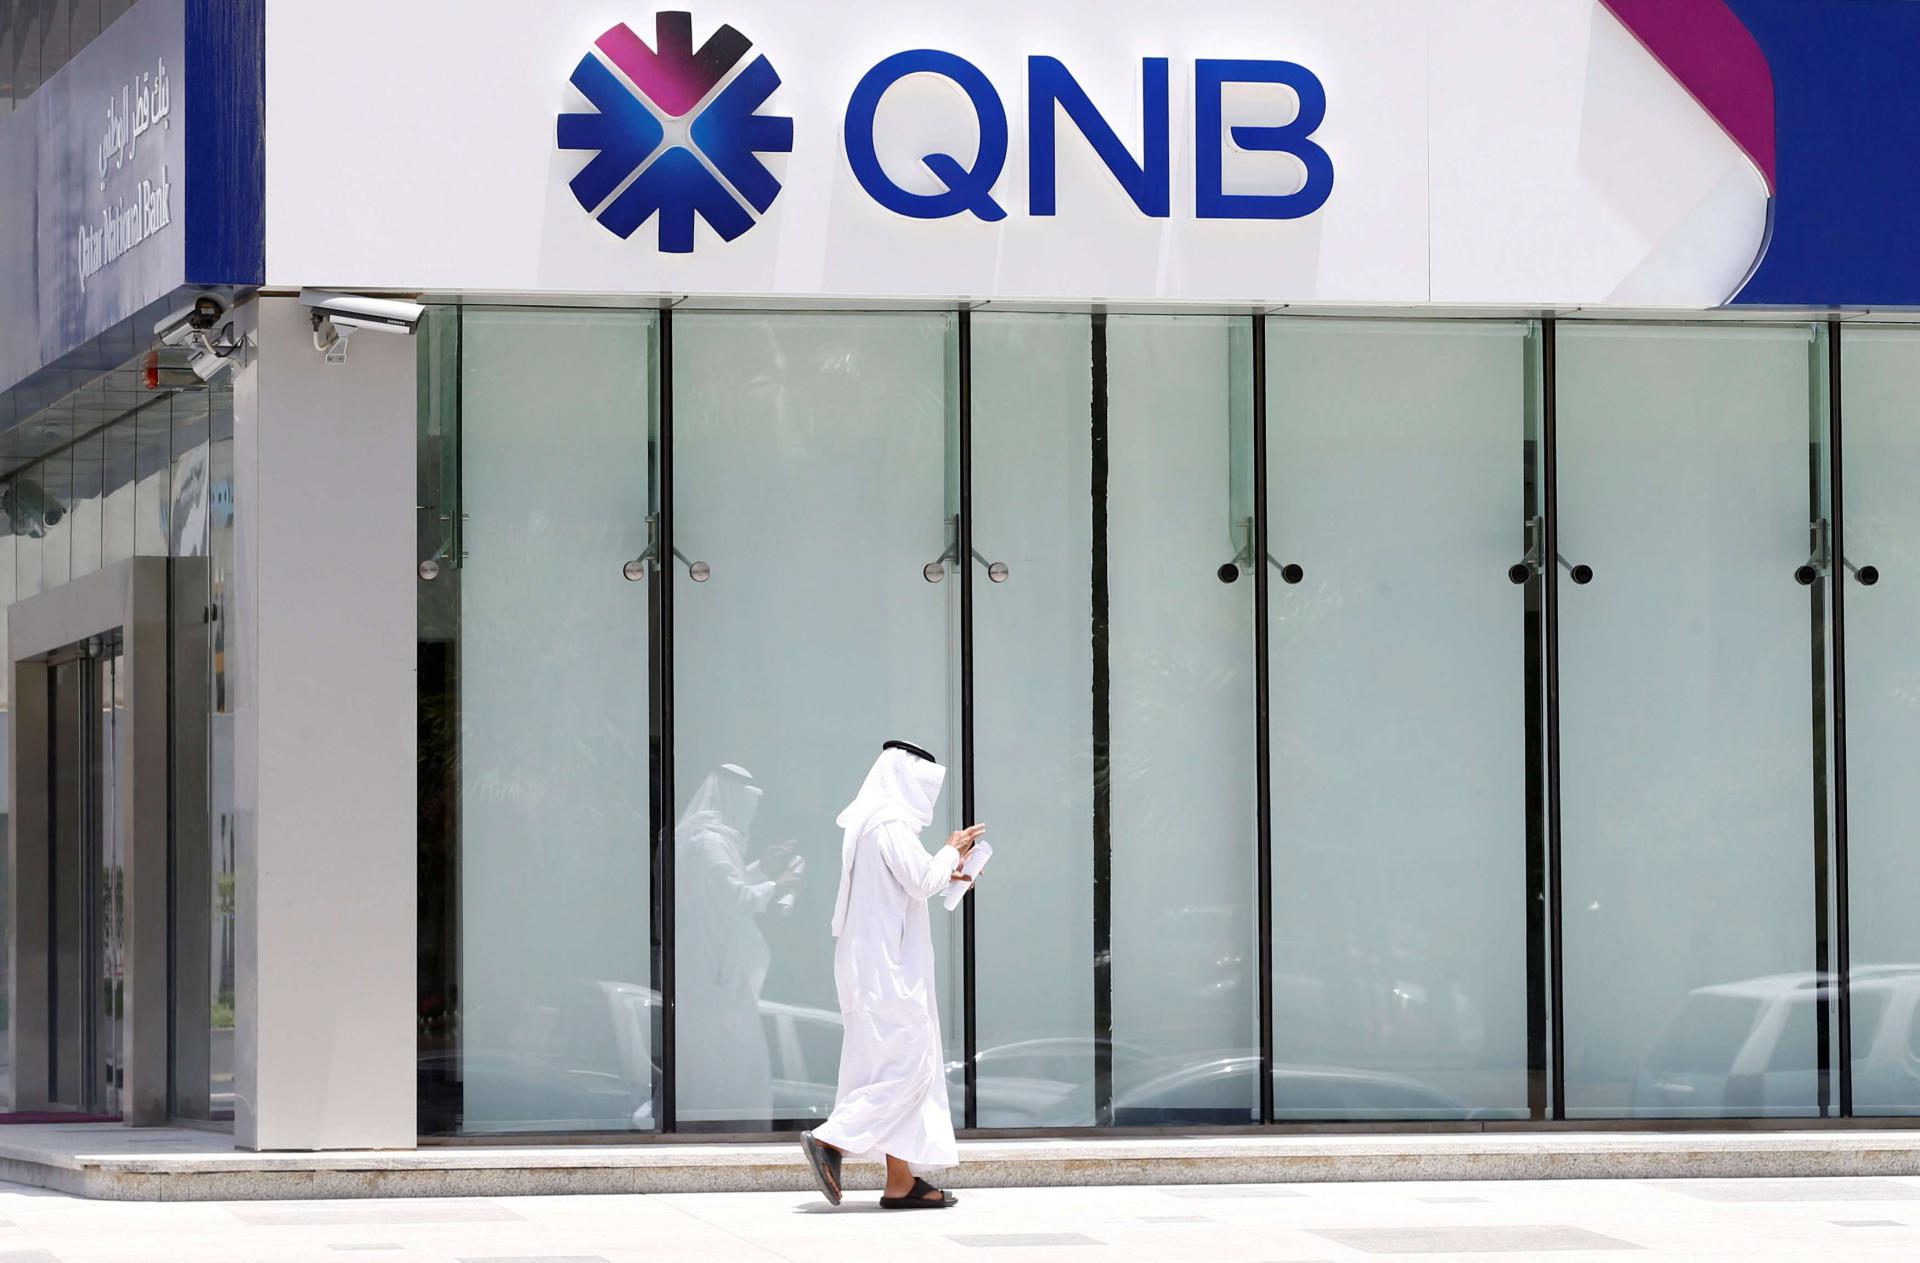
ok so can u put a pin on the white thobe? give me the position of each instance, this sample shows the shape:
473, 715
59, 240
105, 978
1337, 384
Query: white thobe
892, 1097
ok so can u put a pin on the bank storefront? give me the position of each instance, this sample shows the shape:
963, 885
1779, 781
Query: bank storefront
1403, 527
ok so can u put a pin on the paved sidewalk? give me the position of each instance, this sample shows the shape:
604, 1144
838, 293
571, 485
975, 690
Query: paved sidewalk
1759, 1220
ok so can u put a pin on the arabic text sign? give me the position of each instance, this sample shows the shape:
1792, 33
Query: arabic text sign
112, 166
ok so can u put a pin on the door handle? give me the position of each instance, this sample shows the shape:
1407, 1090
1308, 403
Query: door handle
636, 570
1820, 561
936, 570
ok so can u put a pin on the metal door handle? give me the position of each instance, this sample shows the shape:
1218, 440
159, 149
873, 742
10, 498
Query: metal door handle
1291, 572
636, 570
936, 570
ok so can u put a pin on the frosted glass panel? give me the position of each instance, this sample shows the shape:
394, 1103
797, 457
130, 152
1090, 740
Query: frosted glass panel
811, 474
1881, 455
153, 470
1396, 480
1185, 935
1686, 743
557, 1006
1033, 715
191, 514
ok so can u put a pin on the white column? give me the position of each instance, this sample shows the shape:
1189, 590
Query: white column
325, 739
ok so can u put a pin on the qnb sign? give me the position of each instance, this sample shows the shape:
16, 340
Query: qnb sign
1051, 90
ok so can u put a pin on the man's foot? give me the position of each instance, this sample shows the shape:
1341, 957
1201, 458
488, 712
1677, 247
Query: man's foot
918, 1196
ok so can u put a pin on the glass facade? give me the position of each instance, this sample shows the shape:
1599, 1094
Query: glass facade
138, 462
1377, 720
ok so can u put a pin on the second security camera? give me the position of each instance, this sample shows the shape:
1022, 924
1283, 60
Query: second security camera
355, 311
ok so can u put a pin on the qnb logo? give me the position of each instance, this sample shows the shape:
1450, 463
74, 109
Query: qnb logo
676, 132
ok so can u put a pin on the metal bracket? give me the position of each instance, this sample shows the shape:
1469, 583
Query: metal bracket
636, 570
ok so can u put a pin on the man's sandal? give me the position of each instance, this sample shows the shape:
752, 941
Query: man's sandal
825, 1161
917, 1199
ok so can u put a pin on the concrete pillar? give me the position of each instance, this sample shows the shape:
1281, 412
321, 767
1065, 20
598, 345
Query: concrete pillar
324, 772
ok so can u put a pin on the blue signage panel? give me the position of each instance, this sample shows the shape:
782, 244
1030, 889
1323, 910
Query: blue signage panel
112, 131
134, 171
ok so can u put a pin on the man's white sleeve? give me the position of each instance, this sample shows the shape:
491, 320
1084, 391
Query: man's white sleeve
922, 875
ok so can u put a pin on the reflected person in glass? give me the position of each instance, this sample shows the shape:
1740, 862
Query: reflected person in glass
724, 1064
892, 1097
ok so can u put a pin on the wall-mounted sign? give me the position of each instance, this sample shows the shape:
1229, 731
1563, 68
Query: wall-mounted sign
1628, 153
135, 170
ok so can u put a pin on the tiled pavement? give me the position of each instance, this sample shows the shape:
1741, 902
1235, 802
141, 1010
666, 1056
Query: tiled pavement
1575, 1221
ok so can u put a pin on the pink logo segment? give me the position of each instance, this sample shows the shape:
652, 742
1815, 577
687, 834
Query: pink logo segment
1705, 46
675, 77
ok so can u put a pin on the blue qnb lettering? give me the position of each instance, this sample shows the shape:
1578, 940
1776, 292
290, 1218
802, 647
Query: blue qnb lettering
966, 189
1211, 200
1149, 183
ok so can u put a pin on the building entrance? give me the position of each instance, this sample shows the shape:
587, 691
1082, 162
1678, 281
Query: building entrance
86, 849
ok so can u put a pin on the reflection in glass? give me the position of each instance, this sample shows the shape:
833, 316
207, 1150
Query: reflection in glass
1185, 933
88, 454
1881, 489
810, 474
1033, 735
55, 476
1396, 451
120, 450
24, 504
153, 471
555, 768
191, 495
6, 804
722, 898
1686, 758
218, 894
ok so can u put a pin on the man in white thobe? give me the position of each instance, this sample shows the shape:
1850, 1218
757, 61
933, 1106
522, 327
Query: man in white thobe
892, 1098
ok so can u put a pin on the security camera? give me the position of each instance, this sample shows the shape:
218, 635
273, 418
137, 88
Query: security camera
209, 359
336, 317
352, 311
202, 315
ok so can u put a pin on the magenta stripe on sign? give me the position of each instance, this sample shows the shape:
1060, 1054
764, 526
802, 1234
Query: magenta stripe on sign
674, 88
1704, 45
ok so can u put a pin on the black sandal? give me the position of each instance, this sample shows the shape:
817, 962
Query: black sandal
825, 1161
917, 1198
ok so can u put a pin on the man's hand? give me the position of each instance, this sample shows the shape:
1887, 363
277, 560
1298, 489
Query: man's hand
963, 840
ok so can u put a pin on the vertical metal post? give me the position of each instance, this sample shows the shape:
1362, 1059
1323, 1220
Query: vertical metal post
1818, 541
1539, 946
660, 584
1102, 748
968, 1007
1262, 741
1550, 602
1842, 933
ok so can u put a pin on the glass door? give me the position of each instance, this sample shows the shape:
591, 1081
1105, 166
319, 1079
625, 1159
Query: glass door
1874, 573
1690, 844
1398, 635
813, 468
108, 848
86, 861
1176, 834
551, 505
71, 995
